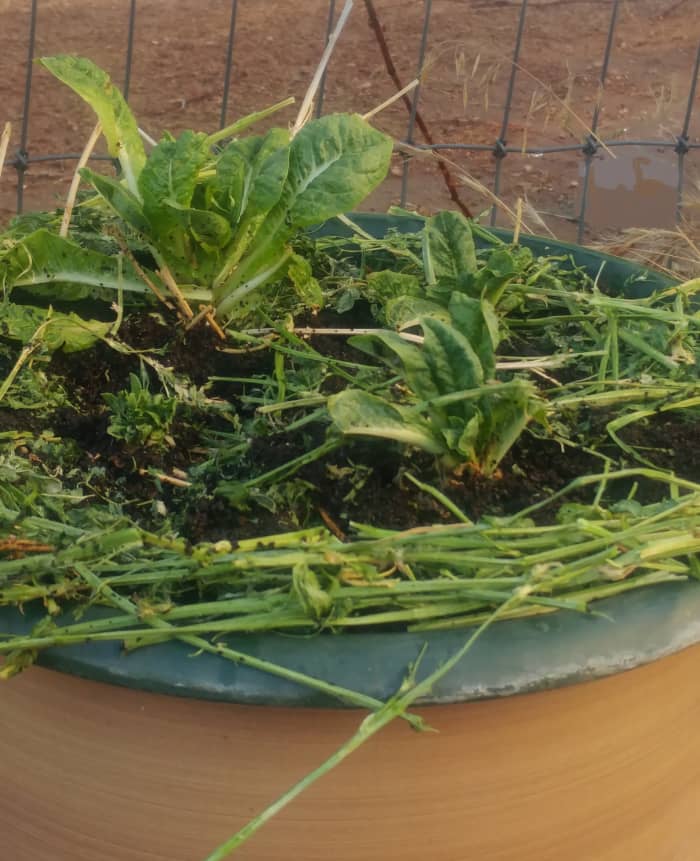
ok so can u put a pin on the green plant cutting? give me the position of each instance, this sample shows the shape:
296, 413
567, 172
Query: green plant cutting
292, 425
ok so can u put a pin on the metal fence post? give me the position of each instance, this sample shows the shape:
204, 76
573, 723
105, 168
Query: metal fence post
592, 144
22, 156
414, 98
500, 149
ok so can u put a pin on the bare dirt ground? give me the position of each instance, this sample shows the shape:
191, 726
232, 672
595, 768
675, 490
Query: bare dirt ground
177, 82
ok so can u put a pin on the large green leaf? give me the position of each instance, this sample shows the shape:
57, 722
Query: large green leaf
505, 417
451, 360
42, 258
335, 162
250, 174
251, 177
118, 123
167, 183
357, 413
477, 321
401, 356
449, 253
172, 170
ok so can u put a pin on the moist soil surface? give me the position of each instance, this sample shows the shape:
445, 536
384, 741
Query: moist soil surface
365, 481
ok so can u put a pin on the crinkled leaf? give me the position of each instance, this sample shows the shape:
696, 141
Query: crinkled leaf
401, 356
407, 311
335, 162
118, 124
386, 285
249, 186
250, 174
168, 182
358, 413
172, 170
451, 360
449, 252
494, 277
312, 597
477, 321
211, 230
306, 286
461, 438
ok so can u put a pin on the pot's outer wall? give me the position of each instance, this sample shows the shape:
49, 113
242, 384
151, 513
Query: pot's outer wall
602, 771
511, 657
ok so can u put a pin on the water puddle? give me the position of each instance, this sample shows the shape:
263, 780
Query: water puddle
635, 189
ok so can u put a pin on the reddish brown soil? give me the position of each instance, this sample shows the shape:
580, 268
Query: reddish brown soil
179, 63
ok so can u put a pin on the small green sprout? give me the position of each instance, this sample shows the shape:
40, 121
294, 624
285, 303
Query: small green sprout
140, 417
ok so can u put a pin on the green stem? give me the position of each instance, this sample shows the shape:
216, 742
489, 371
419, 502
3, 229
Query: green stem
440, 497
295, 464
247, 121
409, 692
353, 698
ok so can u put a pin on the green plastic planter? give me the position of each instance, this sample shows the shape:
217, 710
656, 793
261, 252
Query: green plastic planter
560, 737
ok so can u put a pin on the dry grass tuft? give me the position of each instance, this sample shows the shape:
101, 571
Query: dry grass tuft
675, 252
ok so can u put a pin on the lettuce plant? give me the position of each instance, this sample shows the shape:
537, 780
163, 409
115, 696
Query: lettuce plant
217, 221
458, 410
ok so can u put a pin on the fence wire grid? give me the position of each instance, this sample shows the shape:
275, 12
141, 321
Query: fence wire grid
591, 144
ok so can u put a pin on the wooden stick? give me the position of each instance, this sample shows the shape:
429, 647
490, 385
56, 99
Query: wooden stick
390, 101
75, 184
139, 271
207, 313
4, 143
182, 303
307, 105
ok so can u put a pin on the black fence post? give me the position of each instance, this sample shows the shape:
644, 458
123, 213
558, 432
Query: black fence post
22, 155
229, 63
682, 147
500, 149
592, 144
428, 9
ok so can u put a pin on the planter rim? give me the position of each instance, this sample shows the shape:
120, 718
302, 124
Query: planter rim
511, 657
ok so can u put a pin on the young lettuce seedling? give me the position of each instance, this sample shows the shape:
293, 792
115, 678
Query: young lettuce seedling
140, 417
458, 411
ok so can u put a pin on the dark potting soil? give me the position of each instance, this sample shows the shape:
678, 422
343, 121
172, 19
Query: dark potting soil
363, 481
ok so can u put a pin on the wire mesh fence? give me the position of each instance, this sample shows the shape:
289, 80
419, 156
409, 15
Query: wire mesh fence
433, 32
